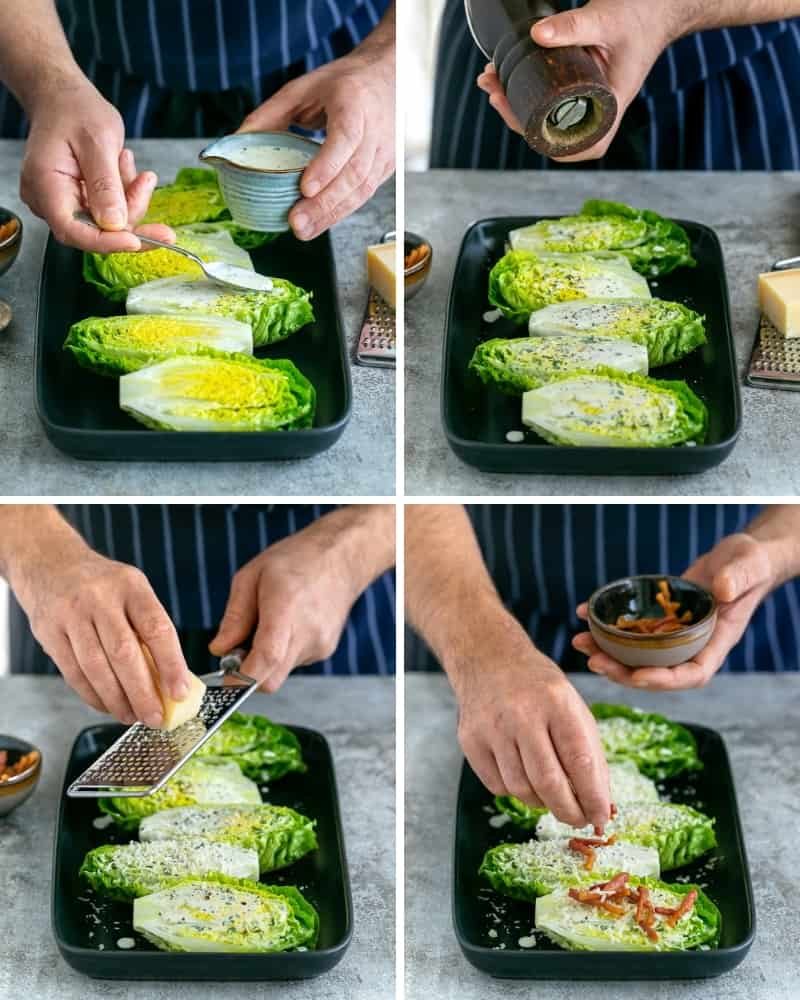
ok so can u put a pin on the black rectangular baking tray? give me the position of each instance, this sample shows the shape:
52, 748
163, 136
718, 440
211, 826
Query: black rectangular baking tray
322, 877
477, 418
80, 411
723, 873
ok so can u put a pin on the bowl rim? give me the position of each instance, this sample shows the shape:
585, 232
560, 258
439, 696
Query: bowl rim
9, 241
30, 771
259, 170
687, 633
417, 240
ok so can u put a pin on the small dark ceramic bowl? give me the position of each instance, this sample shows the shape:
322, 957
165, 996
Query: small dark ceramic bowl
635, 596
9, 247
14, 791
414, 277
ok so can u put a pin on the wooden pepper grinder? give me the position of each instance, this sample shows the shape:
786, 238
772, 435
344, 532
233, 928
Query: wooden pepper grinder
560, 95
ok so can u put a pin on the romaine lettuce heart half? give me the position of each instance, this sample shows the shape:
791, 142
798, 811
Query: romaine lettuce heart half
679, 833
518, 364
668, 330
264, 750
272, 315
225, 914
627, 785
525, 871
278, 834
115, 345
611, 409
522, 282
579, 927
195, 196
654, 245
114, 274
227, 393
659, 747
125, 871
197, 782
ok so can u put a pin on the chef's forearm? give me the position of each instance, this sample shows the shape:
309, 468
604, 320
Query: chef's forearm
30, 533
35, 56
701, 15
777, 527
363, 536
380, 42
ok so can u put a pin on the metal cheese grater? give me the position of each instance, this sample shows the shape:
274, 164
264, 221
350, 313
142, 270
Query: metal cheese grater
775, 361
143, 759
377, 345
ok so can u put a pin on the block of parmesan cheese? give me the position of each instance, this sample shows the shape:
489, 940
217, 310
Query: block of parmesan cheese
176, 712
779, 298
381, 271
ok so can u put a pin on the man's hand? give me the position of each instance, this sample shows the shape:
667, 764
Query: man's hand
625, 37
739, 572
525, 729
75, 161
294, 598
90, 614
353, 99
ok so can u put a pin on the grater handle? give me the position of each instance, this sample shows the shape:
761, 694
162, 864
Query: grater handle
233, 661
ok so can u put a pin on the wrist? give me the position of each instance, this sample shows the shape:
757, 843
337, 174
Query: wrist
36, 536
358, 542
52, 87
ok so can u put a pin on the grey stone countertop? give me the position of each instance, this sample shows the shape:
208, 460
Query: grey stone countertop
755, 215
758, 719
46, 712
362, 462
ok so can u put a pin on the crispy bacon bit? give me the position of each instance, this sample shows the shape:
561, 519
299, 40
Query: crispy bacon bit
614, 811
8, 771
586, 845
670, 622
686, 906
612, 908
645, 914
615, 885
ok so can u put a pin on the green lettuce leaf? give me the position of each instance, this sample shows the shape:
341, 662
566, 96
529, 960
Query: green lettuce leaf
114, 274
272, 315
659, 747
579, 927
198, 782
668, 330
226, 914
125, 871
231, 392
525, 871
665, 247
278, 834
679, 833
115, 345
611, 409
522, 282
521, 815
264, 750
521, 363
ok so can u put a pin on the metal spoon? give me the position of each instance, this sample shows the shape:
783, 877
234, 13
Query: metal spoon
218, 271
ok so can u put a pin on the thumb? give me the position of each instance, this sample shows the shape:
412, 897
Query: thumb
572, 27
241, 615
275, 114
105, 192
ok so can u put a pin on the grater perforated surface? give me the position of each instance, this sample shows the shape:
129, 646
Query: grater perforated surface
775, 361
377, 342
143, 759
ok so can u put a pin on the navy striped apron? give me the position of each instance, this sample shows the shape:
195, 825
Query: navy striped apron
197, 67
189, 553
547, 558
727, 99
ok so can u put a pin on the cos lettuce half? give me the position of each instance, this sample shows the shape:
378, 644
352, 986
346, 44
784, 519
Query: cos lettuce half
114, 274
579, 927
518, 364
659, 747
278, 834
272, 315
668, 330
525, 871
612, 409
627, 783
195, 196
264, 750
679, 833
115, 345
198, 782
125, 871
225, 914
654, 245
231, 392
522, 282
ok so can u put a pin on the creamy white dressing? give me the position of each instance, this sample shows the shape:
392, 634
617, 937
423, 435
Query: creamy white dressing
528, 941
101, 822
126, 942
269, 157
230, 274
499, 820
515, 437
